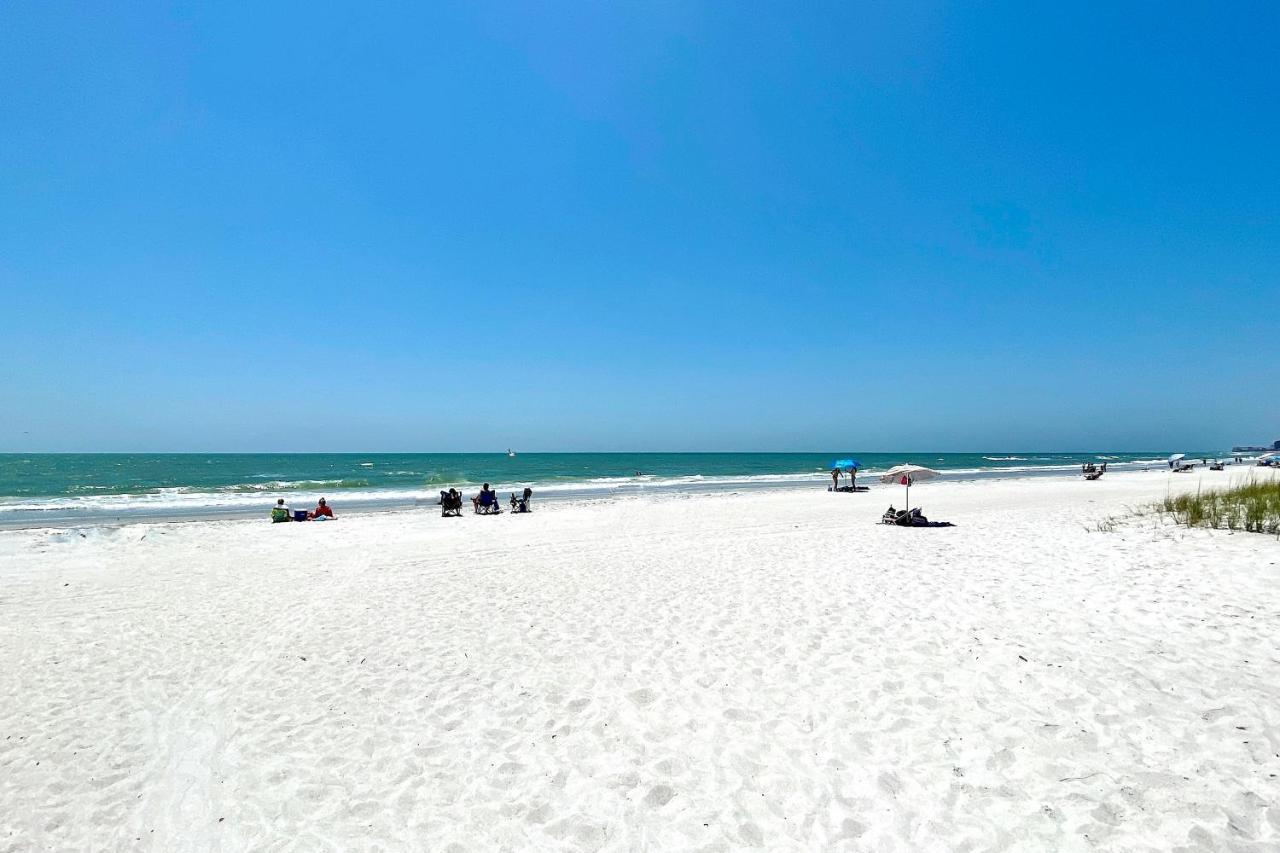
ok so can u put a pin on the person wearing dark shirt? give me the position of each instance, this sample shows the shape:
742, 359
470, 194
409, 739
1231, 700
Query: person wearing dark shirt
487, 499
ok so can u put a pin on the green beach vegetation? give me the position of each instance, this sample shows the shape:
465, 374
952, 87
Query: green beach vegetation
1253, 507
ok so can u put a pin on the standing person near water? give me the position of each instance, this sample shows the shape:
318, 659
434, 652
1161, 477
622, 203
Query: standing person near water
835, 479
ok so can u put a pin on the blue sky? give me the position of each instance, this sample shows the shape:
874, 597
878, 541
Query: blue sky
638, 226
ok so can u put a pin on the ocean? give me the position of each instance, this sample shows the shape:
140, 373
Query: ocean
38, 489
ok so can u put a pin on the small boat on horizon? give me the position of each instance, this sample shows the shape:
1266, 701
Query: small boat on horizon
510, 453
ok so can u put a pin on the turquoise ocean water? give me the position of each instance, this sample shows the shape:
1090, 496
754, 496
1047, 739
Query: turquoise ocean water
70, 488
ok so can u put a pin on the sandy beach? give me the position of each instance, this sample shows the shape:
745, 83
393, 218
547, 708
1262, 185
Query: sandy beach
770, 670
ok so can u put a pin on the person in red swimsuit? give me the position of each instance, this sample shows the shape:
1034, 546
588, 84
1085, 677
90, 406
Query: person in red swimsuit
322, 510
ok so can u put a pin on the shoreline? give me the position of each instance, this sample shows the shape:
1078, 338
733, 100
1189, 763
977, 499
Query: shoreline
398, 501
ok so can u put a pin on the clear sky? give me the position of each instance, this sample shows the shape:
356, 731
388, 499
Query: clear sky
638, 226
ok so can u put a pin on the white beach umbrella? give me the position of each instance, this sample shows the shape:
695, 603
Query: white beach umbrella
1175, 458
906, 475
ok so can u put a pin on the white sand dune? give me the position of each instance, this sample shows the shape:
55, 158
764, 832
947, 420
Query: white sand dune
769, 670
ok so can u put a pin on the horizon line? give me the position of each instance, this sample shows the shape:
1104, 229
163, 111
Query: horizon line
544, 452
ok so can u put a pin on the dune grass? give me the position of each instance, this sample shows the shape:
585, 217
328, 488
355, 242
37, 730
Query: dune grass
1253, 507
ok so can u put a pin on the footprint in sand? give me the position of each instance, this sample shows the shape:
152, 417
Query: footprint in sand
669, 767
659, 795
1107, 813
751, 835
626, 781
890, 784
1002, 759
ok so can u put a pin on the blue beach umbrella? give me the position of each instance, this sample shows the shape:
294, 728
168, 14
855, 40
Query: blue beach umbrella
850, 465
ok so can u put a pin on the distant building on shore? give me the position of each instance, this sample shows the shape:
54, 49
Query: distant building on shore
1275, 445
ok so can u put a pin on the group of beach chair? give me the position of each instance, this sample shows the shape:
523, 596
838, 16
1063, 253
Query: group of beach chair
910, 518
485, 503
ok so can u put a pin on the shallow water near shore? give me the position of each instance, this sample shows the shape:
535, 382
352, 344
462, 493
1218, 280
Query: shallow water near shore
37, 489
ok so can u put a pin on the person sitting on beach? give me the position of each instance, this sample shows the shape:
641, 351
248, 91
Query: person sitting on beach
521, 504
322, 511
280, 512
487, 499
913, 518
450, 504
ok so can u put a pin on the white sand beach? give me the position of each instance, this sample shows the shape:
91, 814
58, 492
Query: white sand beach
769, 670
